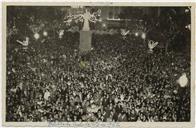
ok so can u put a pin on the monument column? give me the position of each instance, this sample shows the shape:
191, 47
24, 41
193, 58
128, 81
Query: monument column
85, 41
85, 34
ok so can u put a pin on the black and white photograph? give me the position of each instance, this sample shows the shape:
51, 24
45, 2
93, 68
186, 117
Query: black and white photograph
98, 63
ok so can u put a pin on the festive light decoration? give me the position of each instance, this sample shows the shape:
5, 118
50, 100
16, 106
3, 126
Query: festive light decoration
68, 22
151, 45
186, 10
143, 36
25, 42
45, 33
85, 18
104, 25
136, 34
188, 26
36, 36
124, 32
183, 80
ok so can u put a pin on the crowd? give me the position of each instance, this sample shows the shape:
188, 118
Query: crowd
118, 80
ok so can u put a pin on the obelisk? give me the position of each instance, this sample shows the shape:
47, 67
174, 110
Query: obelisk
85, 34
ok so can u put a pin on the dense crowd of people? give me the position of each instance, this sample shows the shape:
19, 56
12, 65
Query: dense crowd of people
118, 80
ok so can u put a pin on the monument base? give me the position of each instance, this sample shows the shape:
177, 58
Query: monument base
85, 41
